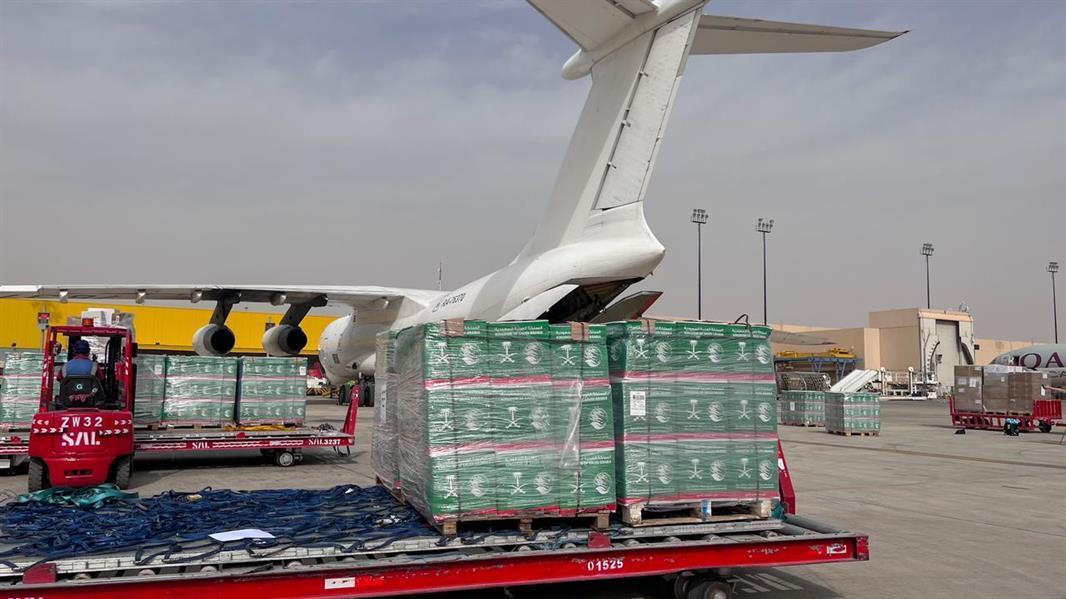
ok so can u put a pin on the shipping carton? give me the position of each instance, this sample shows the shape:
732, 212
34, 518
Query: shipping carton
969, 388
1023, 388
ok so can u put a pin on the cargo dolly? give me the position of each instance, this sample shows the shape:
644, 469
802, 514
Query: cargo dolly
696, 561
1046, 413
87, 442
284, 447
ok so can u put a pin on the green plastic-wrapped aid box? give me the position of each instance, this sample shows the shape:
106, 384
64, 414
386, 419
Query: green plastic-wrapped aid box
496, 420
20, 388
272, 391
151, 389
695, 412
200, 390
384, 451
803, 408
852, 413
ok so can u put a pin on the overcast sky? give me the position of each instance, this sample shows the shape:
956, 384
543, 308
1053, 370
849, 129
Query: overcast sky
358, 142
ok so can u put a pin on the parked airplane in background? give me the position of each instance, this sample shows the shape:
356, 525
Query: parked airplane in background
1049, 358
592, 242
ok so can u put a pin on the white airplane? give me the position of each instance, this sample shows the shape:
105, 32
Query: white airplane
1050, 358
592, 242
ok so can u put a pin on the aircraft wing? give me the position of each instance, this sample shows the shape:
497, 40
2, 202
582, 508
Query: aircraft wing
272, 294
732, 35
591, 22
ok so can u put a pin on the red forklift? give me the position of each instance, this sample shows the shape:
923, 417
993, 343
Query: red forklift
82, 434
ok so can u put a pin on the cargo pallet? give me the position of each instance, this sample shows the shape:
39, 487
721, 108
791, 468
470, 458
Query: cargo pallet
694, 512
804, 424
687, 556
1046, 414
855, 433
449, 527
524, 523
285, 447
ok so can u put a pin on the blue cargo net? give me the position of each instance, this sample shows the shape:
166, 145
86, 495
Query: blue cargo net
348, 518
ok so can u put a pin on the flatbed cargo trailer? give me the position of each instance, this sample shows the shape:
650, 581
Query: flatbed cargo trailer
284, 446
696, 560
1046, 413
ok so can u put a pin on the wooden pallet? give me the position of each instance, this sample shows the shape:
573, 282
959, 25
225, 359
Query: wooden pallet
855, 433
643, 514
524, 524
803, 424
191, 427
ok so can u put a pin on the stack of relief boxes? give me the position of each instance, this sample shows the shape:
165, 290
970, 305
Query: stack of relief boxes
695, 414
495, 420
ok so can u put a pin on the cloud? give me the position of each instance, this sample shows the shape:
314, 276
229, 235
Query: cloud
349, 143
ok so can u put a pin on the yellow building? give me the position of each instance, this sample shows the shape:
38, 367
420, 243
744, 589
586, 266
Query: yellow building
158, 328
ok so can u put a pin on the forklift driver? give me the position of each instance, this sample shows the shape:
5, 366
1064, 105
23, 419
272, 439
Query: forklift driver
81, 364
81, 380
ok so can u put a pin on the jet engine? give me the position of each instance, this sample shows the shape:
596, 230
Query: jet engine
213, 340
284, 340
346, 349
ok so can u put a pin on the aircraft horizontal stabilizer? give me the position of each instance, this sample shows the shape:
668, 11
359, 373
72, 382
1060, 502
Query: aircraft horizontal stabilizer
591, 22
732, 35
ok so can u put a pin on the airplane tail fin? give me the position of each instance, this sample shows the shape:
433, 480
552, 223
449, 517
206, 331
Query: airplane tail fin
635, 51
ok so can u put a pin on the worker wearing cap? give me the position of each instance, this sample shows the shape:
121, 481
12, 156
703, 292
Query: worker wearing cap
81, 364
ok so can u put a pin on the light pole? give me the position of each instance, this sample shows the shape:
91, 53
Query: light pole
699, 216
1053, 267
764, 226
927, 250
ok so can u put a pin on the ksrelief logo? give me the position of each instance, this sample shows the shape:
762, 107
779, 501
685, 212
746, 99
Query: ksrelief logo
598, 418
714, 411
532, 353
664, 473
762, 354
540, 418
592, 356
473, 419
718, 470
602, 482
477, 485
714, 353
764, 411
662, 412
615, 351
543, 483
662, 351
766, 469
469, 354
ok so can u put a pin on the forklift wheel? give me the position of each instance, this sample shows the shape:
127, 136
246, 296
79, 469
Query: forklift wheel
123, 469
38, 475
1045, 427
284, 459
